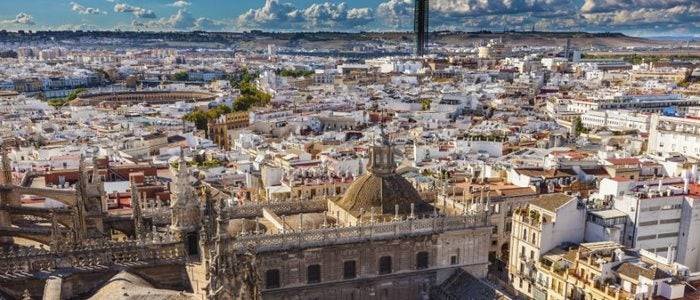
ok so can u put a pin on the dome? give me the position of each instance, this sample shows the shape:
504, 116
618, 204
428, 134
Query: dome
382, 192
381, 188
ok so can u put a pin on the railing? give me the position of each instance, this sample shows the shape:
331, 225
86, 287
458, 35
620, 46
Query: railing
364, 232
281, 208
153, 249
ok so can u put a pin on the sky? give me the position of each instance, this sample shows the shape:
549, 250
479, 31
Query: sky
633, 17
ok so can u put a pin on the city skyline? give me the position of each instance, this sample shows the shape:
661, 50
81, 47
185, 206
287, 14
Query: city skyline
632, 17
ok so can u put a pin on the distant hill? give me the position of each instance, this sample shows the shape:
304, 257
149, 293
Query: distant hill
258, 40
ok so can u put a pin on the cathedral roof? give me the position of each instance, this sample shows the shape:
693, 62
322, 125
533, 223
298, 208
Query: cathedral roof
382, 193
126, 285
381, 189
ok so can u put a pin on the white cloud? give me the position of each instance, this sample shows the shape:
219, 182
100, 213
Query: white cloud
640, 15
271, 12
85, 10
135, 10
21, 19
180, 4
396, 12
182, 20
209, 24
317, 16
594, 6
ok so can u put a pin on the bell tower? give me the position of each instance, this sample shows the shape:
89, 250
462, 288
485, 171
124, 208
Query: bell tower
186, 214
381, 157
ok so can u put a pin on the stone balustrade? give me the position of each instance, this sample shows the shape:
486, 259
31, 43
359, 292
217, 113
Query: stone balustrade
155, 248
364, 232
251, 210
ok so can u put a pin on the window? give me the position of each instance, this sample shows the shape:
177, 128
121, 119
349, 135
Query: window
385, 265
454, 260
422, 260
667, 235
646, 237
524, 234
670, 221
349, 269
649, 223
272, 279
313, 274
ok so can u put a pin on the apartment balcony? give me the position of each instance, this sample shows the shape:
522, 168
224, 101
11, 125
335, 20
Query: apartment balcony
531, 218
598, 287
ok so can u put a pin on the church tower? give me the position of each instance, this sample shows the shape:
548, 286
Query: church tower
186, 214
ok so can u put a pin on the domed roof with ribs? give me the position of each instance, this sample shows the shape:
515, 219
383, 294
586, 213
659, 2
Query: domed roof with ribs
381, 188
381, 192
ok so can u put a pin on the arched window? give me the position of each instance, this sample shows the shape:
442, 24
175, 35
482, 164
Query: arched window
313, 274
385, 265
272, 279
422, 260
349, 269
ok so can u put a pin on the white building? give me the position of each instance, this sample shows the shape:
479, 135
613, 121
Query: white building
616, 120
549, 221
663, 219
672, 134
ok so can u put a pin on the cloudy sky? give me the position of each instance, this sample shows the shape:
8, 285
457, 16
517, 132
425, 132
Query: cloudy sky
635, 17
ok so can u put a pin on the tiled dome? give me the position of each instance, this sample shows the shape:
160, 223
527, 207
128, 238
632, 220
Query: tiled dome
382, 193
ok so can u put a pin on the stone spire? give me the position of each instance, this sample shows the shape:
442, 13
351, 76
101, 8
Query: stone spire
55, 234
209, 217
78, 215
139, 231
185, 205
6, 166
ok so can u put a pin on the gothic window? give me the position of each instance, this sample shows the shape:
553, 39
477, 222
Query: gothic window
385, 265
349, 269
313, 274
422, 260
192, 244
272, 279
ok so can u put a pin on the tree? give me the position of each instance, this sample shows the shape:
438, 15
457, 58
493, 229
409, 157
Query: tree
75, 93
294, 73
425, 104
578, 126
59, 102
180, 76
244, 77
250, 96
201, 118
